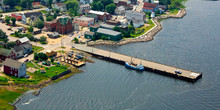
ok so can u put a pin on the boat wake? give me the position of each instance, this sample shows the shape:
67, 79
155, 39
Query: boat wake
26, 103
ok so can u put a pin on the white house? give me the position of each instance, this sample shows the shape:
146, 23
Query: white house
60, 6
120, 10
135, 15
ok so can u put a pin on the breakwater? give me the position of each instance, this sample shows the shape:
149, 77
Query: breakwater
148, 36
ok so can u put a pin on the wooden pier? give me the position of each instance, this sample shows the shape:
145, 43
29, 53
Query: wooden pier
149, 65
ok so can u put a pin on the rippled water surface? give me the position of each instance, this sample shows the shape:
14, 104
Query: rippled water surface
190, 43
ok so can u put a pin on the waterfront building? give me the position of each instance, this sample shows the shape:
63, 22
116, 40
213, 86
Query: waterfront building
84, 21
14, 68
149, 7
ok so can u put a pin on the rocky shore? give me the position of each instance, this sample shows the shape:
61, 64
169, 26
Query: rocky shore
148, 36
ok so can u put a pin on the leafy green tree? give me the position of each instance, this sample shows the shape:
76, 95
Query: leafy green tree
76, 40
13, 20
49, 18
30, 29
131, 23
100, 6
3, 36
165, 2
116, 28
36, 56
10, 45
110, 8
94, 6
130, 29
74, 5
58, 1
50, 3
52, 59
43, 39
41, 18
42, 56
7, 20
149, 1
11, 3
40, 24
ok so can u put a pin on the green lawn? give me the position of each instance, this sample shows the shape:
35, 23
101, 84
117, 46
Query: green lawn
6, 97
54, 70
173, 12
37, 48
3, 80
143, 29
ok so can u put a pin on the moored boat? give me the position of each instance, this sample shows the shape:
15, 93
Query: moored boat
138, 67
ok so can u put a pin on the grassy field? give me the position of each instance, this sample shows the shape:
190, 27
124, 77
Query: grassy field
3, 80
7, 97
143, 29
37, 48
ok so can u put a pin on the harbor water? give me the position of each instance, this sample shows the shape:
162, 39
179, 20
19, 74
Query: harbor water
191, 43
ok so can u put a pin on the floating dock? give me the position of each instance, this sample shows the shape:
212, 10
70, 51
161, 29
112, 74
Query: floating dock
149, 65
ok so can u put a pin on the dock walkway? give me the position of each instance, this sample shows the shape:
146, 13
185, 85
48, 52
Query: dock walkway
149, 65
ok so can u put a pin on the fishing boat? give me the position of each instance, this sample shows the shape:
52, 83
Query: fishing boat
131, 65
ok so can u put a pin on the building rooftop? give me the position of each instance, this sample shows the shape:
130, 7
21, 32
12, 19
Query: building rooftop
84, 18
97, 12
135, 13
23, 40
89, 33
4, 52
33, 14
107, 25
150, 5
64, 20
107, 31
12, 63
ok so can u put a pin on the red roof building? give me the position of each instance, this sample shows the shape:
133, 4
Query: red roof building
149, 7
62, 25
36, 4
17, 16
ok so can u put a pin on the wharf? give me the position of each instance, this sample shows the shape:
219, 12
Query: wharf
149, 65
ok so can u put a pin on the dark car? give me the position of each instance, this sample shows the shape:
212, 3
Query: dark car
26, 60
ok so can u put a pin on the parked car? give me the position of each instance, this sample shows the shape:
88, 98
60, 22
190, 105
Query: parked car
178, 72
25, 55
26, 60
9, 28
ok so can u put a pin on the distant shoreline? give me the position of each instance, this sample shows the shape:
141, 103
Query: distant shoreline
148, 36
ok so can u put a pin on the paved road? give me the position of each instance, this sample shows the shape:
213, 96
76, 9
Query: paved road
4, 14
140, 6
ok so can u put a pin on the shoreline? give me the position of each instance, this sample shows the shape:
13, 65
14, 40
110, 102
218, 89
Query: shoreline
148, 36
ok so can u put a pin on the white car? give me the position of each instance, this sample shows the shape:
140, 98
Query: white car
25, 55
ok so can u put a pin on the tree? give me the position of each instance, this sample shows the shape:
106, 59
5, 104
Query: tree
10, 45
100, 6
49, 18
50, 3
58, 1
94, 6
130, 29
149, 1
131, 23
116, 28
165, 2
40, 24
74, 5
41, 18
42, 56
76, 40
3, 36
52, 59
110, 8
7, 20
71, 12
30, 29
36, 56
13, 20
11, 3
43, 39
